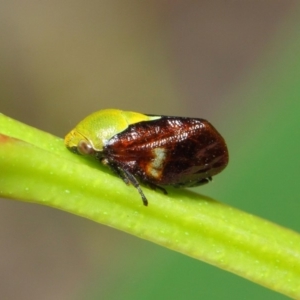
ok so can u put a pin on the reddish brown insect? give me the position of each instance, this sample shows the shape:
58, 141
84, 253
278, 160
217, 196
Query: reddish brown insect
157, 150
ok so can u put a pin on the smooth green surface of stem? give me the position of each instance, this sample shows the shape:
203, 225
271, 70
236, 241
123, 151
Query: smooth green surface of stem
36, 167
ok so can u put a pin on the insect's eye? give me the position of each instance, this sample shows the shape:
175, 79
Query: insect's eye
85, 148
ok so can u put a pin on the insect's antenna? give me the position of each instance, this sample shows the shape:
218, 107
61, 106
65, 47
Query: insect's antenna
136, 184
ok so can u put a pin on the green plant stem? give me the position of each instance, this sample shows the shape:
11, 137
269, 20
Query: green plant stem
36, 167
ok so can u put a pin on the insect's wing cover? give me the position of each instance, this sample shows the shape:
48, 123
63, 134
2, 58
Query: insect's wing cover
170, 150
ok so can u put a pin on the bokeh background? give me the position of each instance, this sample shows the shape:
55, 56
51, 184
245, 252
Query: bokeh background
235, 63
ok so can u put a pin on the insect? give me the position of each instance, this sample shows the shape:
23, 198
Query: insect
156, 150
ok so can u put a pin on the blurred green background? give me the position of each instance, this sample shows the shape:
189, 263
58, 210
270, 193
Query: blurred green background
234, 63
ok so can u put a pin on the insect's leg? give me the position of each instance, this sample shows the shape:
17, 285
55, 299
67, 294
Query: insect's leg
118, 171
204, 181
127, 178
154, 187
193, 183
136, 184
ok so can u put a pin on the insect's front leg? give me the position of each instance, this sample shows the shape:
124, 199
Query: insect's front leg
117, 170
127, 177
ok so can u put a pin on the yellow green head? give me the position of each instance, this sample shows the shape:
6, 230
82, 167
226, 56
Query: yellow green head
96, 129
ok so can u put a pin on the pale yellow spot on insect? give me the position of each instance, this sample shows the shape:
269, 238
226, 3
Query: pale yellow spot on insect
155, 167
